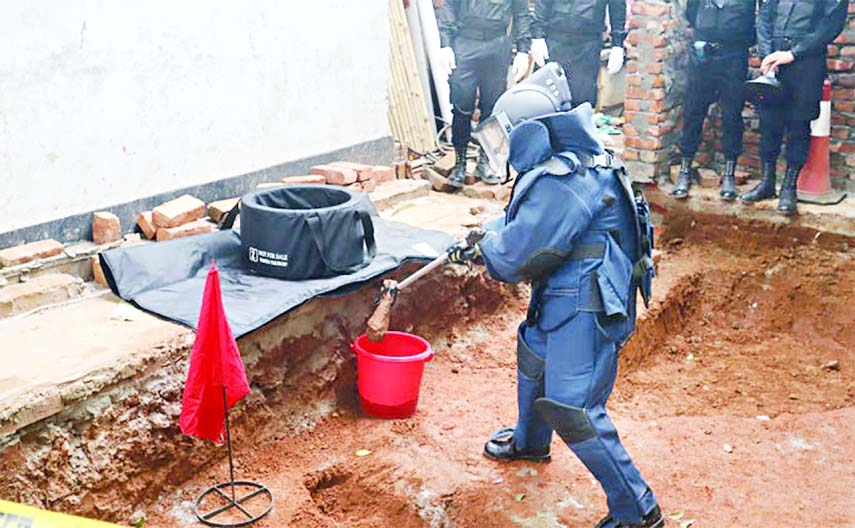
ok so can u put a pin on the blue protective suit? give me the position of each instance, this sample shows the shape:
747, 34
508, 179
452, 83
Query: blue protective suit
576, 225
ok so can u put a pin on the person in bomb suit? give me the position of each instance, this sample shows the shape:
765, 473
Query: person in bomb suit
793, 37
718, 67
577, 230
476, 51
571, 33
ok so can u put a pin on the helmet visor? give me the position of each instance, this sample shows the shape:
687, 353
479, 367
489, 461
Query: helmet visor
493, 135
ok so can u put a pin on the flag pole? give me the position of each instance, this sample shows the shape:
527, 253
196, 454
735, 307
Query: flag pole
229, 443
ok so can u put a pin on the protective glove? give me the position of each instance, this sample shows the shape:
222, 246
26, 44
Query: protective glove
616, 56
520, 66
446, 60
461, 253
475, 235
539, 51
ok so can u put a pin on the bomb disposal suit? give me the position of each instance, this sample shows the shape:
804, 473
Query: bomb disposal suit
793, 37
575, 228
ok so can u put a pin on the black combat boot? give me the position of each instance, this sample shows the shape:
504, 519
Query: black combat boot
458, 174
728, 181
654, 519
484, 172
766, 188
684, 180
503, 447
789, 197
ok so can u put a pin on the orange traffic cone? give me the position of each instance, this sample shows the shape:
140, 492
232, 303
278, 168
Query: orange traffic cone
814, 185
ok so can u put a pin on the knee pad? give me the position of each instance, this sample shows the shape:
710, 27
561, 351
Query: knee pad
529, 364
571, 423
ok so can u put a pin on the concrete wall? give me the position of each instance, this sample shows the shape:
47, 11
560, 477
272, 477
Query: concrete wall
104, 103
656, 81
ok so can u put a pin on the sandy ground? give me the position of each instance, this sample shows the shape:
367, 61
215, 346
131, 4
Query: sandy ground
743, 414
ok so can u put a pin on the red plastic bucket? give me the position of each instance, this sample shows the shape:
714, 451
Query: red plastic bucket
389, 373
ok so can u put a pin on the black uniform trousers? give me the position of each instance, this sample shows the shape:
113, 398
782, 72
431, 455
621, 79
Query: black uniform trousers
581, 61
482, 73
801, 82
720, 78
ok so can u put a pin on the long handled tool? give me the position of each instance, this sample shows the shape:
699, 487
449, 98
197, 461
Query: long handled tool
378, 324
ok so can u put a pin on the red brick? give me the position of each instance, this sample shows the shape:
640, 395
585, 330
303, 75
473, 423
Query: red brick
217, 209
98, 271
643, 143
630, 155
363, 186
844, 106
363, 172
660, 54
144, 220
836, 65
335, 175
26, 252
658, 81
654, 10
196, 227
632, 67
654, 68
179, 211
309, 179
632, 105
383, 173
106, 227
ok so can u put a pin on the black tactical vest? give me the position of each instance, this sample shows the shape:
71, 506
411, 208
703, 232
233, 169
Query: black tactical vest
485, 14
726, 21
796, 18
578, 16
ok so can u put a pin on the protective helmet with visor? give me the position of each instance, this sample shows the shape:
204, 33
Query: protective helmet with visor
546, 91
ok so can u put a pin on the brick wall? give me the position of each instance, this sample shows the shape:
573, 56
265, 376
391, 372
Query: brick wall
657, 50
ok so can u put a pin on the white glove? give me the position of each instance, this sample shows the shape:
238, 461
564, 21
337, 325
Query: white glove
539, 51
616, 56
520, 66
446, 60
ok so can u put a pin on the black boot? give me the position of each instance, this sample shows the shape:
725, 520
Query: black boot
484, 172
766, 188
458, 174
503, 447
728, 181
788, 198
654, 519
684, 180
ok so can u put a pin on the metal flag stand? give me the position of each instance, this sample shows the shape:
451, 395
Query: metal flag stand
250, 490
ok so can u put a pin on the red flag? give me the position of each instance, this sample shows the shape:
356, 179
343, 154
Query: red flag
214, 363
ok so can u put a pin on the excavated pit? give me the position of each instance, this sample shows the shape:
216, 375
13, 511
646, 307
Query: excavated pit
739, 378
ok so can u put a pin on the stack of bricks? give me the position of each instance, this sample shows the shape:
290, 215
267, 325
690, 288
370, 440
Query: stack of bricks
355, 176
181, 217
657, 51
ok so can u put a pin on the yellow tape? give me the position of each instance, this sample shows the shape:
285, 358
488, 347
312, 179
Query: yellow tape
13, 515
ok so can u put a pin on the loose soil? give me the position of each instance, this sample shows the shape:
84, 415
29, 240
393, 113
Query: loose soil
737, 404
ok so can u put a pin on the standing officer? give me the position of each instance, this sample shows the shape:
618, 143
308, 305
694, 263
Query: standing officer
718, 66
571, 33
579, 233
793, 36
476, 50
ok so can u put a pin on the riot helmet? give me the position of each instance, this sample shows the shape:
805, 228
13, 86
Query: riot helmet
546, 91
